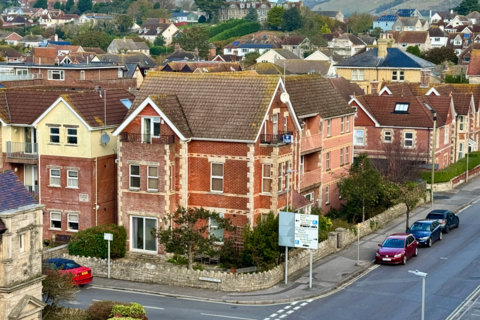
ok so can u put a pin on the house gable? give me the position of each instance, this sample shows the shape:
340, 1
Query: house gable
27, 307
363, 117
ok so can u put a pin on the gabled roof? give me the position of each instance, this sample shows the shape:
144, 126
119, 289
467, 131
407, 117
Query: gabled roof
94, 50
474, 64
408, 22
286, 54
345, 88
413, 37
387, 18
395, 58
405, 12
139, 58
446, 15
436, 32
292, 40
367, 39
6, 51
299, 66
268, 68
13, 194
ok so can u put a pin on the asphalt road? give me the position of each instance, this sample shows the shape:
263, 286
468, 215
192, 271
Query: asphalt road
386, 292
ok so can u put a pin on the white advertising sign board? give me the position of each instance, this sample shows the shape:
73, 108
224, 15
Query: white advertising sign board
306, 231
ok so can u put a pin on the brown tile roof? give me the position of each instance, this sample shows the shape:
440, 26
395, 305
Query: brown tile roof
474, 64
292, 40
345, 87
94, 50
65, 47
312, 94
436, 32
6, 51
461, 101
418, 115
298, 66
268, 68
413, 37
219, 105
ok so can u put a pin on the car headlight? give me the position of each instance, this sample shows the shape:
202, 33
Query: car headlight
377, 254
424, 239
398, 255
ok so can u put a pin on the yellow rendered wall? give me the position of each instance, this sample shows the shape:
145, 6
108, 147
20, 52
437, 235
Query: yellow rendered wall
9, 134
100, 150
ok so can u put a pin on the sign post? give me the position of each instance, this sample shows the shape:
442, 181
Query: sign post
358, 243
108, 237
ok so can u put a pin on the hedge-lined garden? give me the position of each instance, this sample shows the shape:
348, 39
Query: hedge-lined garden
213, 31
90, 242
453, 170
237, 31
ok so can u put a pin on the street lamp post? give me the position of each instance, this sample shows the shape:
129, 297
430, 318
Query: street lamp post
286, 248
434, 143
423, 275
358, 243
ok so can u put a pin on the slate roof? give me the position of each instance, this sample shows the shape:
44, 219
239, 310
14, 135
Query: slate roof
210, 101
405, 12
298, 66
413, 37
13, 194
367, 39
353, 39
436, 32
287, 54
139, 58
345, 88
409, 22
395, 58
183, 55
292, 40
6, 51
152, 28
474, 64
129, 44
311, 94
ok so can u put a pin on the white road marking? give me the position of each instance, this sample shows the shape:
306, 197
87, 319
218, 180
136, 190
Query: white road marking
281, 310
273, 315
464, 302
288, 307
220, 316
283, 316
147, 307
296, 308
304, 304
290, 312
464, 208
294, 303
310, 300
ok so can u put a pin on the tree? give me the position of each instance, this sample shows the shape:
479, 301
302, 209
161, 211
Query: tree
360, 22
84, 5
196, 37
415, 50
260, 243
376, 32
68, 5
251, 58
409, 194
156, 5
123, 22
159, 41
275, 16
202, 19
93, 39
184, 5
325, 29
138, 8
459, 78
361, 188
252, 15
189, 234
57, 5
467, 6
324, 223
291, 19
211, 7
41, 4
440, 55
57, 286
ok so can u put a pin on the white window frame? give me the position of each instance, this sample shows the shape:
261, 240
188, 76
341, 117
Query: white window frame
405, 139
21, 242
446, 133
394, 75
120, 73
327, 194
210, 228
59, 177
54, 135
461, 123
355, 137
401, 75
217, 177
82, 74
61, 73
460, 151
172, 178
327, 161
347, 155
361, 74
329, 127
280, 177
342, 124
387, 134
348, 124
287, 177
341, 157
266, 168
130, 176
71, 181
73, 221
144, 232
302, 164
149, 177
73, 136
354, 74
51, 219
275, 123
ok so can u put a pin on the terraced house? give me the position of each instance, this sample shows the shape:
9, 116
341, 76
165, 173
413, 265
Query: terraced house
233, 143
57, 142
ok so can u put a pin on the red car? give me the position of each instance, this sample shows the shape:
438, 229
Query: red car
397, 248
83, 275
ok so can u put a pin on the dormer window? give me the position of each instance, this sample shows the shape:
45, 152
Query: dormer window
401, 107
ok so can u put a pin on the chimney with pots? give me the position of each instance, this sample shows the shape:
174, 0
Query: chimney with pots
425, 78
382, 43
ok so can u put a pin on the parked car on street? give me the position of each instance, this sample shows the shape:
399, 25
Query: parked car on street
396, 249
446, 218
82, 275
426, 232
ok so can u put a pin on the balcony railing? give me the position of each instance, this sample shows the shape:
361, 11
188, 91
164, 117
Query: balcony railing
22, 150
311, 143
7, 77
33, 190
275, 138
312, 178
146, 138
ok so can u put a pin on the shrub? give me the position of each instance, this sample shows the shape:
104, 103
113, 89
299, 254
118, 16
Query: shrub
225, 26
134, 310
197, 266
229, 256
90, 242
178, 260
453, 170
238, 31
102, 310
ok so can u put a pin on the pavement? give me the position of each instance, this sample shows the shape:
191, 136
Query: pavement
330, 275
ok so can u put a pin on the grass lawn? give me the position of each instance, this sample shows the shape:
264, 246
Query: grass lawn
188, 26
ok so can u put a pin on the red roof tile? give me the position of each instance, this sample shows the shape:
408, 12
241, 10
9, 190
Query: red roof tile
474, 64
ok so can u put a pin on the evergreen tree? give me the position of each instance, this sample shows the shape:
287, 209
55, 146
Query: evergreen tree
69, 5
41, 4
292, 20
275, 16
159, 41
466, 6
84, 5
211, 7
414, 50
57, 5
251, 15
156, 5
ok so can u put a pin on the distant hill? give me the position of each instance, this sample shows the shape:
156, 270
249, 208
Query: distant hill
377, 7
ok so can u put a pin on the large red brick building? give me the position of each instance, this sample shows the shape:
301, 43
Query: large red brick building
230, 143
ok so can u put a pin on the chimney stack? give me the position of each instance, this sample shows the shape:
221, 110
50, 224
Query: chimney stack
177, 47
425, 78
382, 44
196, 51
56, 37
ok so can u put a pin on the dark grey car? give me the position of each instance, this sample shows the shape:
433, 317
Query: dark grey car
446, 218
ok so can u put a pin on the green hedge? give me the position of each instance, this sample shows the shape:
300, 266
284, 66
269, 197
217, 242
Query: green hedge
159, 50
453, 170
90, 242
133, 311
238, 31
225, 26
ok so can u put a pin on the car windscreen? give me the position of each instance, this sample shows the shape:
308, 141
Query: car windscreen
421, 227
435, 216
393, 243
69, 265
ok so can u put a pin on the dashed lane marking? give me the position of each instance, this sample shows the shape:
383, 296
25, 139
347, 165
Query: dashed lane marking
222, 316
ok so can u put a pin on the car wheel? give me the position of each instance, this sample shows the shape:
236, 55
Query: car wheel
440, 237
416, 252
430, 242
404, 259
447, 228
458, 222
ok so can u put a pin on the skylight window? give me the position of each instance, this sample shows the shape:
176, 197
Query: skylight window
127, 103
428, 107
401, 107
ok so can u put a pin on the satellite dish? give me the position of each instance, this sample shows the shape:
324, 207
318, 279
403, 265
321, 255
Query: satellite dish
105, 138
285, 97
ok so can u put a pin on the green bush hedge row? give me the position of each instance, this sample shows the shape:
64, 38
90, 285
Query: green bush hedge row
90, 242
225, 26
453, 170
238, 31
158, 50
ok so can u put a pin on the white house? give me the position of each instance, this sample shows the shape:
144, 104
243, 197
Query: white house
276, 54
151, 31
318, 56
438, 38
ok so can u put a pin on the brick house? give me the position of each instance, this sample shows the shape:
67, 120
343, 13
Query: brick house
237, 162
52, 140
